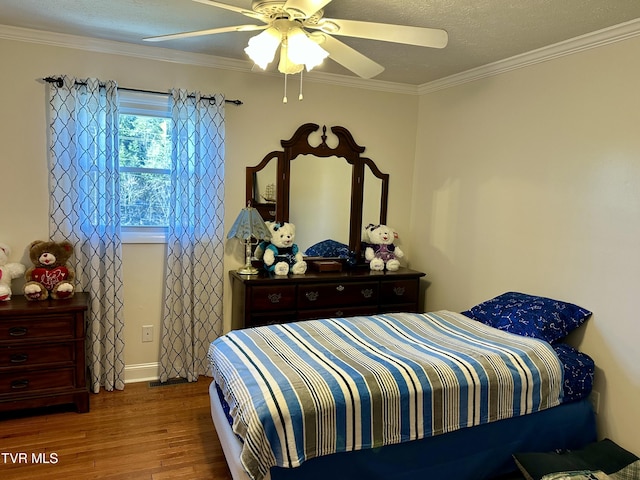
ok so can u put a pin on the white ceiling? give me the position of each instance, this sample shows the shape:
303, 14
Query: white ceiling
480, 31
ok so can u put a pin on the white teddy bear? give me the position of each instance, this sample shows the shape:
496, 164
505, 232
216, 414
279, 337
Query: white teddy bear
8, 271
380, 251
280, 254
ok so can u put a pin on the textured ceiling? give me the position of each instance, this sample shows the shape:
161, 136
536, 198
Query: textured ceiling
480, 31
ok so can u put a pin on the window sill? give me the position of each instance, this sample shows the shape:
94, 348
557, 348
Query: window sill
144, 236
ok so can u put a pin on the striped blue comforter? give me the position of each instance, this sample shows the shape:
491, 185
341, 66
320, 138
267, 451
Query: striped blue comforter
301, 390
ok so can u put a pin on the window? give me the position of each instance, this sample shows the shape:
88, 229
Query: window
144, 132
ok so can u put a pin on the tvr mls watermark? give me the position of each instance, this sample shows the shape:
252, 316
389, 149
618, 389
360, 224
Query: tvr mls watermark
29, 458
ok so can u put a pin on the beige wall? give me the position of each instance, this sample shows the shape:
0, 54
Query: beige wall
382, 122
530, 181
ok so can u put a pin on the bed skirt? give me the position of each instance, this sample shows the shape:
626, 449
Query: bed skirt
475, 453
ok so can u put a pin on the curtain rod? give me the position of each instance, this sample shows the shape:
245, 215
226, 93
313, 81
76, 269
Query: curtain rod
58, 82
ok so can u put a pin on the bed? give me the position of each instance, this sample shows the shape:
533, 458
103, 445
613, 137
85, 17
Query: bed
402, 395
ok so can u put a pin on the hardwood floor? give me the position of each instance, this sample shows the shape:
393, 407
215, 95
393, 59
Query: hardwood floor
141, 433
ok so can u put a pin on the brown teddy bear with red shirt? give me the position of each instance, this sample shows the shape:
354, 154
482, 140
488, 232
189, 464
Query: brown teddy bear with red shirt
50, 275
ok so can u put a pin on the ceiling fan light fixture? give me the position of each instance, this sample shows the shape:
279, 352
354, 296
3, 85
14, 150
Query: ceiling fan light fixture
304, 51
262, 48
303, 8
286, 65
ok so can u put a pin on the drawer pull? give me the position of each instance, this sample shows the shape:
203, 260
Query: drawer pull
18, 358
18, 331
339, 313
19, 384
399, 291
340, 288
312, 296
367, 292
274, 297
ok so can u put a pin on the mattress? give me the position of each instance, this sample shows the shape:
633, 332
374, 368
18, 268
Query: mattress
310, 407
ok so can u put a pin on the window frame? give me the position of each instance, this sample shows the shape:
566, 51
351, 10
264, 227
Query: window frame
131, 102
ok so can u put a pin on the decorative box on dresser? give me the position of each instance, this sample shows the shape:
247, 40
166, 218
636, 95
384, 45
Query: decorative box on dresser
267, 299
42, 353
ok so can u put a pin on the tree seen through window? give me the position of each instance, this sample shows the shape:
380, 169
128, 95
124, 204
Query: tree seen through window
145, 168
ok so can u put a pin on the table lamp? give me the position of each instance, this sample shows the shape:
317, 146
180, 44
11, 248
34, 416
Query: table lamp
248, 225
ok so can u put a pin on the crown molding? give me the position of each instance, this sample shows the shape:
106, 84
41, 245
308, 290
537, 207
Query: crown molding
596, 39
21, 34
119, 48
579, 44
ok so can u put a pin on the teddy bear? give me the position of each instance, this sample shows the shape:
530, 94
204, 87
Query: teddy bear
50, 275
380, 251
8, 271
280, 255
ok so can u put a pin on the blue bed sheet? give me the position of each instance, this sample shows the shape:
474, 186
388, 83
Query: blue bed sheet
578, 372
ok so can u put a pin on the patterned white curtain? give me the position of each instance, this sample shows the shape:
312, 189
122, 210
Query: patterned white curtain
85, 209
192, 315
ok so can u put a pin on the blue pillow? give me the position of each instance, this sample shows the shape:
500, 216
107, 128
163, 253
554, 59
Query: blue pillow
530, 315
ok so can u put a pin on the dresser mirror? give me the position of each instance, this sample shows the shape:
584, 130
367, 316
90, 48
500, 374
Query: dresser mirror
322, 187
321, 183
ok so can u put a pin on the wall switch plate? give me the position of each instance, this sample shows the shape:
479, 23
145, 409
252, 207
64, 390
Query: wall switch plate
147, 333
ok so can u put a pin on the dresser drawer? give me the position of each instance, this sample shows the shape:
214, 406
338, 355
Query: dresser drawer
276, 297
16, 383
29, 356
270, 319
338, 312
399, 291
322, 295
33, 328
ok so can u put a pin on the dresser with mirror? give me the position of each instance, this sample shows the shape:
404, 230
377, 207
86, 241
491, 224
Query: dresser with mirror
321, 182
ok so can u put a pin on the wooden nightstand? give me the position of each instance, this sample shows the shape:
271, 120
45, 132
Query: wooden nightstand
42, 353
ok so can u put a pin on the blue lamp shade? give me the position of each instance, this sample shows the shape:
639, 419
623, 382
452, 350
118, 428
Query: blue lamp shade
248, 225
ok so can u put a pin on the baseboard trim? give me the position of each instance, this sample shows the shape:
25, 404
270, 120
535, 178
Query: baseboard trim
141, 372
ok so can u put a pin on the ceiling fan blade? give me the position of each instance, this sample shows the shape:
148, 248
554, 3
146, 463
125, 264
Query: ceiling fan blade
348, 57
303, 8
421, 36
243, 11
212, 31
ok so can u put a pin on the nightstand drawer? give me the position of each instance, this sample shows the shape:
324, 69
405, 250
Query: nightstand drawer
400, 291
323, 295
278, 297
32, 328
29, 356
16, 383
42, 353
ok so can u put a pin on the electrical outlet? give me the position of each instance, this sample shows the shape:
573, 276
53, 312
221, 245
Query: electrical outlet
147, 333
594, 398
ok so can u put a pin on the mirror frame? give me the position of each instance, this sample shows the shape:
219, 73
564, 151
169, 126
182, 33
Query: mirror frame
299, 144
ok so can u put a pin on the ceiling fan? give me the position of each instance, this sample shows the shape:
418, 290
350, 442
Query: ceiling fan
286, 24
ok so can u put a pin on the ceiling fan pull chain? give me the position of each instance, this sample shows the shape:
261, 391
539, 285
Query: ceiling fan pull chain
300, 97
284, 99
